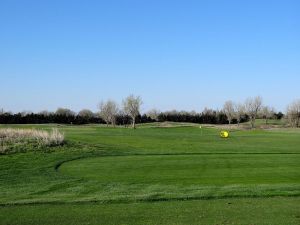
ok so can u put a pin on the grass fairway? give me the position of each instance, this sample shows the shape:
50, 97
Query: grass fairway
155, 175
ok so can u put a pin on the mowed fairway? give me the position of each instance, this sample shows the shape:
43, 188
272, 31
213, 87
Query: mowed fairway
154, 175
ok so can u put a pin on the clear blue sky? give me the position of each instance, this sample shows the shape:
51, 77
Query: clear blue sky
174, 54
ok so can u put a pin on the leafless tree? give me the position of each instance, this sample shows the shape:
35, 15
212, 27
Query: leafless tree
86, 113
26, 113
131, 106
153, 114
253, 106
267, 113
45, 113
293, 113
109, 111
193, 113
64, 112
239, 112
228, 109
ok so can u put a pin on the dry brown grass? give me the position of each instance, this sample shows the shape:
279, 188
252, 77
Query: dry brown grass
10, 137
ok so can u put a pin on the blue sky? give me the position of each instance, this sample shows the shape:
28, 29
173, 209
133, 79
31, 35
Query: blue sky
181, 55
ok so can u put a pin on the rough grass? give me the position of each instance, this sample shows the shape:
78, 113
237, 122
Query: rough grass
14, 140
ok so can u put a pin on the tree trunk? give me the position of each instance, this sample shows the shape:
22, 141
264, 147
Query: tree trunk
252, 122
133, 123
238, 120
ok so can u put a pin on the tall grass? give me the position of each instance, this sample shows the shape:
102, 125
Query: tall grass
10, 138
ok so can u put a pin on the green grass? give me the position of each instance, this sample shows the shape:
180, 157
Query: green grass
155, 175
188, 169
188, 176
266, 211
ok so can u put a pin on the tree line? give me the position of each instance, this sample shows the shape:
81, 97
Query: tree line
130, 114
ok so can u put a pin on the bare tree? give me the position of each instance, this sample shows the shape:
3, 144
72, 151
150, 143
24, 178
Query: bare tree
267, 113
253, 106
131, 106
86, 113
229, 110
239, 112
26, 112
109, 111
293, 113
64, 112
153, 114
45, 113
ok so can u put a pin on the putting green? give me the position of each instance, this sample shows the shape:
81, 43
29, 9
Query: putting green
215, 169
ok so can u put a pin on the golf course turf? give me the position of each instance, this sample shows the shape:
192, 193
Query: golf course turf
154, 175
